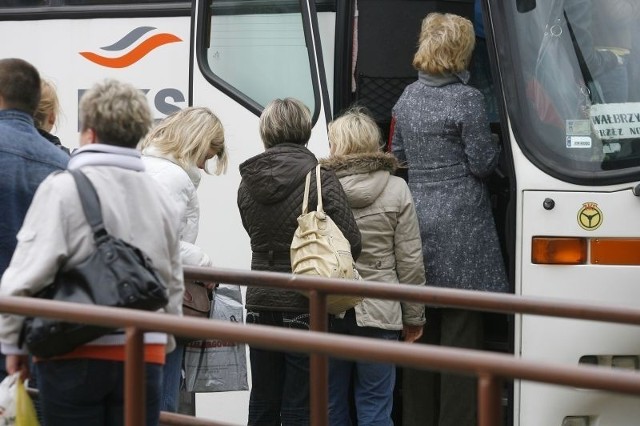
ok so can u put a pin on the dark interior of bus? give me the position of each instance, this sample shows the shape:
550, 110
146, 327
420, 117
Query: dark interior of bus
386, 42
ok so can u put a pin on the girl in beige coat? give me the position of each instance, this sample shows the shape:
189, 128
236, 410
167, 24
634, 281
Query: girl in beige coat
391, 253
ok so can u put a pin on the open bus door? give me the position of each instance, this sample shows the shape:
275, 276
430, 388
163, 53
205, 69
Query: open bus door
377, 40
245, 54
331, 55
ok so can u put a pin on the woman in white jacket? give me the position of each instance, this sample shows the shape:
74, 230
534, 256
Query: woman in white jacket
391, 253
174, 152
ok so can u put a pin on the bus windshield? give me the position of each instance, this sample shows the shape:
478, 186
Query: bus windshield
573, 90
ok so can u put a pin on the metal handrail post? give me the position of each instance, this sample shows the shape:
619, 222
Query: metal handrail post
134, 379
318, 363
489, 400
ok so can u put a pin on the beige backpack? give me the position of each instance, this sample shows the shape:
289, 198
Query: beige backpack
319, 248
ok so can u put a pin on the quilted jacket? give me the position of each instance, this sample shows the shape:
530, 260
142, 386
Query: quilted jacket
270, 201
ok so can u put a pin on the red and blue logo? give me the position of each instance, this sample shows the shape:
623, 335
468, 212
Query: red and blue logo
140, 49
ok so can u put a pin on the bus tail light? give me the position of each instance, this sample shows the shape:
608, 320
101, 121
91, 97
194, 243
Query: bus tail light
615, 251
558, 250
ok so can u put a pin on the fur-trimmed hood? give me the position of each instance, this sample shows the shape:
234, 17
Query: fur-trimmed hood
363, 176
345, 165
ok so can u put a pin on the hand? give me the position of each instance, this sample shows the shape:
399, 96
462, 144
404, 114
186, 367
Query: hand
411, 333
208, 285
15, 363
211, 286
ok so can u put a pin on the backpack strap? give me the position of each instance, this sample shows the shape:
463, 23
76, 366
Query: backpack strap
90, 203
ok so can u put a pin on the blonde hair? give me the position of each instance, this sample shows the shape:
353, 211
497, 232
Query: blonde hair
49, 104
117, 112
446, 44
285, 121
187, 135
354, 132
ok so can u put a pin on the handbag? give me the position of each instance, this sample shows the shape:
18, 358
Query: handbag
319, 248
216, 365
116, 274
195, 300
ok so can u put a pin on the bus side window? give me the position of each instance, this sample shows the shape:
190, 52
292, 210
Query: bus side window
36, 3
23, 3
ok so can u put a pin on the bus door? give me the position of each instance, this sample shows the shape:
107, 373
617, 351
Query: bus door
245, 54
570, 87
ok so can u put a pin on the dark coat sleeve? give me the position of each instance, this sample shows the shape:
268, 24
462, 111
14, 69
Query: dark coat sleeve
337, 207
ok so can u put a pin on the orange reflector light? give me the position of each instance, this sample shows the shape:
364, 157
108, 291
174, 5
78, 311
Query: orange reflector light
558, 250
615, 251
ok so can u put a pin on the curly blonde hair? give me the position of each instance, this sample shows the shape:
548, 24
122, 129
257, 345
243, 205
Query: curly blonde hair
187, 135
445, 45
49, 104
354, 132
117, 112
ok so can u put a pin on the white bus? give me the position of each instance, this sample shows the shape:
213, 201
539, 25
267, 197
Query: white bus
569, 122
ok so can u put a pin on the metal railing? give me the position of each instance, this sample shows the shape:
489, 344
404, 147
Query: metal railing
490, 368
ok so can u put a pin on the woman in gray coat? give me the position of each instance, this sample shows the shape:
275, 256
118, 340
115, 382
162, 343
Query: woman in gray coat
391, 253
442, 133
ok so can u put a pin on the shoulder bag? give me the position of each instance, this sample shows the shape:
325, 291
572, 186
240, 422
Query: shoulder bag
116, 274
320, 248
196, 300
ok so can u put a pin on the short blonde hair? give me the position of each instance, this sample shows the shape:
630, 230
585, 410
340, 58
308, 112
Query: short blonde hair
118, 113
285, 121
49, 104
354, 132
446, 44
187, 135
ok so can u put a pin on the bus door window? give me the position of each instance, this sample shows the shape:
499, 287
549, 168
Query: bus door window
258, 52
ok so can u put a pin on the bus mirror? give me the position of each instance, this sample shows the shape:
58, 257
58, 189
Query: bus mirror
524, 6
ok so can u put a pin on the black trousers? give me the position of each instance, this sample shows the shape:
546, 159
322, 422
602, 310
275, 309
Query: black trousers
430, 398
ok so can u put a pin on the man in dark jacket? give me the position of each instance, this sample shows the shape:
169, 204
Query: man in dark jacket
26, 158
270, 200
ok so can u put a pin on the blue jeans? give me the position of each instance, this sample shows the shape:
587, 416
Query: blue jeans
172, 375
373, 382
91, 392
279, 380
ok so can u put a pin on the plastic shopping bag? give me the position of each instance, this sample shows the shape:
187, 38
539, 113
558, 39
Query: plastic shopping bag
8, 400
25, 410
217, 365
16, 407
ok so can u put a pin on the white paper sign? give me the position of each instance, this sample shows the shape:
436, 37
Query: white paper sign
616, 121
